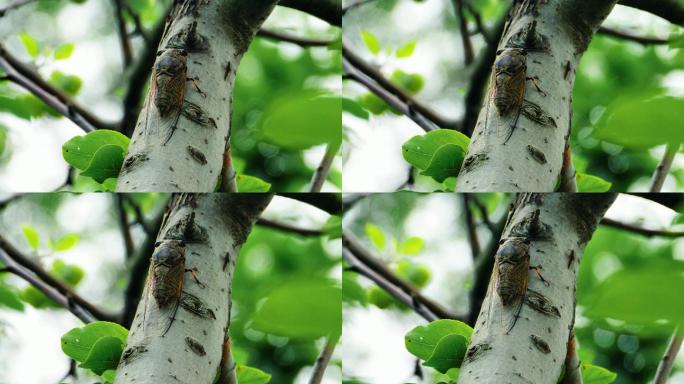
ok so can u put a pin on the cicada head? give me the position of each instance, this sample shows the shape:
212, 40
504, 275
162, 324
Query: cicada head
513, 250
168, 253
510, 61
170, 62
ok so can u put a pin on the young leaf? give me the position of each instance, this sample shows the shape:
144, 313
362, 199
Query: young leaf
66, 242
591, 183
353, 107
9, 298
376, 236
72, 274
80, 150
250, 375
438, 154
3, 138
68, 83
592, 374
446, 162
418, 274
412, 246
246, 183
104, 355
64, 51
78, 342
371, 41
31, 45
411, 82
352, 291
421, 341
407, 49
32, 236
106, 163
448, 353
333, 227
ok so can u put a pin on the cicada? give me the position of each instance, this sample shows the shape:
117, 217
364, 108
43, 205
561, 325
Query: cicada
167, 90
507, 85
166, 275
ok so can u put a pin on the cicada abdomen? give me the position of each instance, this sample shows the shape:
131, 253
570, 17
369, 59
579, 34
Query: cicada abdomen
507, 88
167, 90
512, 264
167, 271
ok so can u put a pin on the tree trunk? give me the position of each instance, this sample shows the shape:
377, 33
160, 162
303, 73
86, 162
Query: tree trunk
189, 348
554, 33
558, 227
215, 34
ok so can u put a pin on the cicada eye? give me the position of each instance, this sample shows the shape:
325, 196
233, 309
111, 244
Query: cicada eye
526, 241
158, 243
500, 51
523, 52
183, 52
159, 52
181, 243
502, 241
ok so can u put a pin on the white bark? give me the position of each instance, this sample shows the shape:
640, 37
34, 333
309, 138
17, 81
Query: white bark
213, 226
192, 159
534, 350
554, 33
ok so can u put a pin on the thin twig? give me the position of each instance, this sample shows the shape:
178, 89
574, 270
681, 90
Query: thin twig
48, 290
666, 363
228, 372
483, 212
288, 227
63, 289
644, 40
573, 371
228, 174
350, 242
640, 230
123, 34
124, 226
327, 202
23, 75
470, 227
138, 24
323, 168
139, 217
568, 180
392, 100
14, 5
370, 71
663, 167
322, 361
465, 37
294, 39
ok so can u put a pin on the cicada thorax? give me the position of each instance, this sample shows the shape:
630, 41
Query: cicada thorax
507, 89
512, 263
168, 271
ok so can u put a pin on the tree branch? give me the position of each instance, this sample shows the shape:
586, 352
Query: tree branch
124, 226
351, 243
49, 290
370, 71
328, 10
16, 4
228, 174
470, 227
663, 167
573, 368
322, 171
123, 34
328, 202
465, 36
322, 361
644, 40
568, 182
666, 363
294, 39
279, 225
640, 230
670, 10
47, 279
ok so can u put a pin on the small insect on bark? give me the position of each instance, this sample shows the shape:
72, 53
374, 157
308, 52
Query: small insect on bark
507, 85
169, 76
166, 275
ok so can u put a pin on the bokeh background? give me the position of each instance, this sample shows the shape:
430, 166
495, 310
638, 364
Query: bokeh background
374, 324
271, 71
270, 260
611, 72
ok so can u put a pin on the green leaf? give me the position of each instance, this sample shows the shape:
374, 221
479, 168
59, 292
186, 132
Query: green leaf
645, 295
80, 150
36, 298
371, 41
31, 45
352, 291
79, 342
446, 162
3, 138
438, 153
68, 83
376, 236
421, 341
24, 106
407, 49
592, 374
104, 355
412, 246
630, 121
679, 219
676, 41
373, 103
591, 183
333, 227
106, 163
353, 107
66, 242
250, 375
418, 274
64, 51
71, 274
32, 236
411, 82
9, 298
305, 308
246, 183
448, 353
302, 120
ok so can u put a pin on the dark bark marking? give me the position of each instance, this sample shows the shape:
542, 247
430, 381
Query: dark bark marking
195, 113
473, 161
540, 344
132, 352
477, 350
197, 155
194, 305
536, 114
133, 162
536, 154
195, 346
539, 303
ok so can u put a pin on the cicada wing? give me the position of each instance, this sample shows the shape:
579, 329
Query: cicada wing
508, 99
172, 91
518, 279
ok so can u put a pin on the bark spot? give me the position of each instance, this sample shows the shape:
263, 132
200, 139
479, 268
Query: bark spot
532, 227
133, 162
540, 344
195, 346
536, 154
529, 39
541, 304
195, 113
476, 351
197, 155
473, 161
536, 114
194, 305
132, 352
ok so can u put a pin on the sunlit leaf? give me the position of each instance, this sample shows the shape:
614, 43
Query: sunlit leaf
407, 49
371, 41
592, 374
422, 340
31, 235
31, 45
250, 375
64, 51
591, 183
376, 235
246, 183
448, 353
